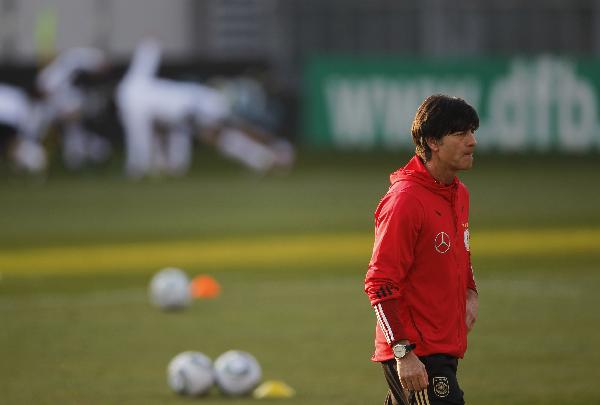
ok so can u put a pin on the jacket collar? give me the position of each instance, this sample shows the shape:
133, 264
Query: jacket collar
415, 171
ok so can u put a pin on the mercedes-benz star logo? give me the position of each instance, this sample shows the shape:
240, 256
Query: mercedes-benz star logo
442, 242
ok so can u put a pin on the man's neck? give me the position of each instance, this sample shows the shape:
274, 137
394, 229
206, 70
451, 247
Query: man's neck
439, 172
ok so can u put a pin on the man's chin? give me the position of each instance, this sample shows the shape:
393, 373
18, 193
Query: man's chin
467, 163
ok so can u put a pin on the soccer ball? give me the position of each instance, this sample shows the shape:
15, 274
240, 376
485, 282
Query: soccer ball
237, 373
190, 373
170, 289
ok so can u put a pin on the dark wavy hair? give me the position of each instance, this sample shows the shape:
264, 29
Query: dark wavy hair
440, 115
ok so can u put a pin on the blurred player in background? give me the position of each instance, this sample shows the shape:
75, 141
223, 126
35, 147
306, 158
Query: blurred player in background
420, 280
162, 117
67, 104
19, 142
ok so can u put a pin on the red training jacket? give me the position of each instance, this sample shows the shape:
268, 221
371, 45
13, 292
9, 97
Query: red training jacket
420, 269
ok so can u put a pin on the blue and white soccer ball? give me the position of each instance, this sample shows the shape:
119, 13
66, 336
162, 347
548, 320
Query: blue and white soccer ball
237, 373
170, 289
190, 373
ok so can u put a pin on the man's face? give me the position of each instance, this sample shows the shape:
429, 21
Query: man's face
456, 150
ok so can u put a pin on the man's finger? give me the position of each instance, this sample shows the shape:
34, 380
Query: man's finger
404, 384
424, 380
418, 383
410, 384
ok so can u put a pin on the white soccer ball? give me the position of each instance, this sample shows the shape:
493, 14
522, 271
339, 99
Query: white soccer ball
190, 373
30, 156
170, 289
237, 373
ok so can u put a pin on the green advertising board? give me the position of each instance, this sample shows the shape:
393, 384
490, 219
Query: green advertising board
542, 104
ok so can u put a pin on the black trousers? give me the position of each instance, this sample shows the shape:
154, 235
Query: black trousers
443, 386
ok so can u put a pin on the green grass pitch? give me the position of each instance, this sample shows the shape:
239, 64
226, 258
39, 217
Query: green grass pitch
77, 252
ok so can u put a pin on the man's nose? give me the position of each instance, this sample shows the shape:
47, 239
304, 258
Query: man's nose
471, 139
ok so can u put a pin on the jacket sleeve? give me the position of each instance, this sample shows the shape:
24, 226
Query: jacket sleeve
398, 220
471, 284
471, 279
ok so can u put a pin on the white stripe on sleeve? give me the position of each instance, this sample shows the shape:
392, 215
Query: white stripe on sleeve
384, 324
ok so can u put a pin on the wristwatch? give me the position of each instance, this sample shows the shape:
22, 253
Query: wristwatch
401, 350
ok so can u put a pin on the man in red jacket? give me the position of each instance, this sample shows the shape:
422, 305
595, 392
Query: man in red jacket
420, 280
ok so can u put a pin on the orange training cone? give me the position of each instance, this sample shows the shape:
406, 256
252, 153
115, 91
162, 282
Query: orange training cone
205, 287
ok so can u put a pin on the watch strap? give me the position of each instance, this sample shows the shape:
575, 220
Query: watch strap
410, 347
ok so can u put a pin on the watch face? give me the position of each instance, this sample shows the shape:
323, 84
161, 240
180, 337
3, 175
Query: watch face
399, 351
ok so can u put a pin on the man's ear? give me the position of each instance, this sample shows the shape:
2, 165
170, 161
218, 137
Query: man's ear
433, 144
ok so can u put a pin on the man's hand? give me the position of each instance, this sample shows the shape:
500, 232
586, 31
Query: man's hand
472, 307
412, 373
